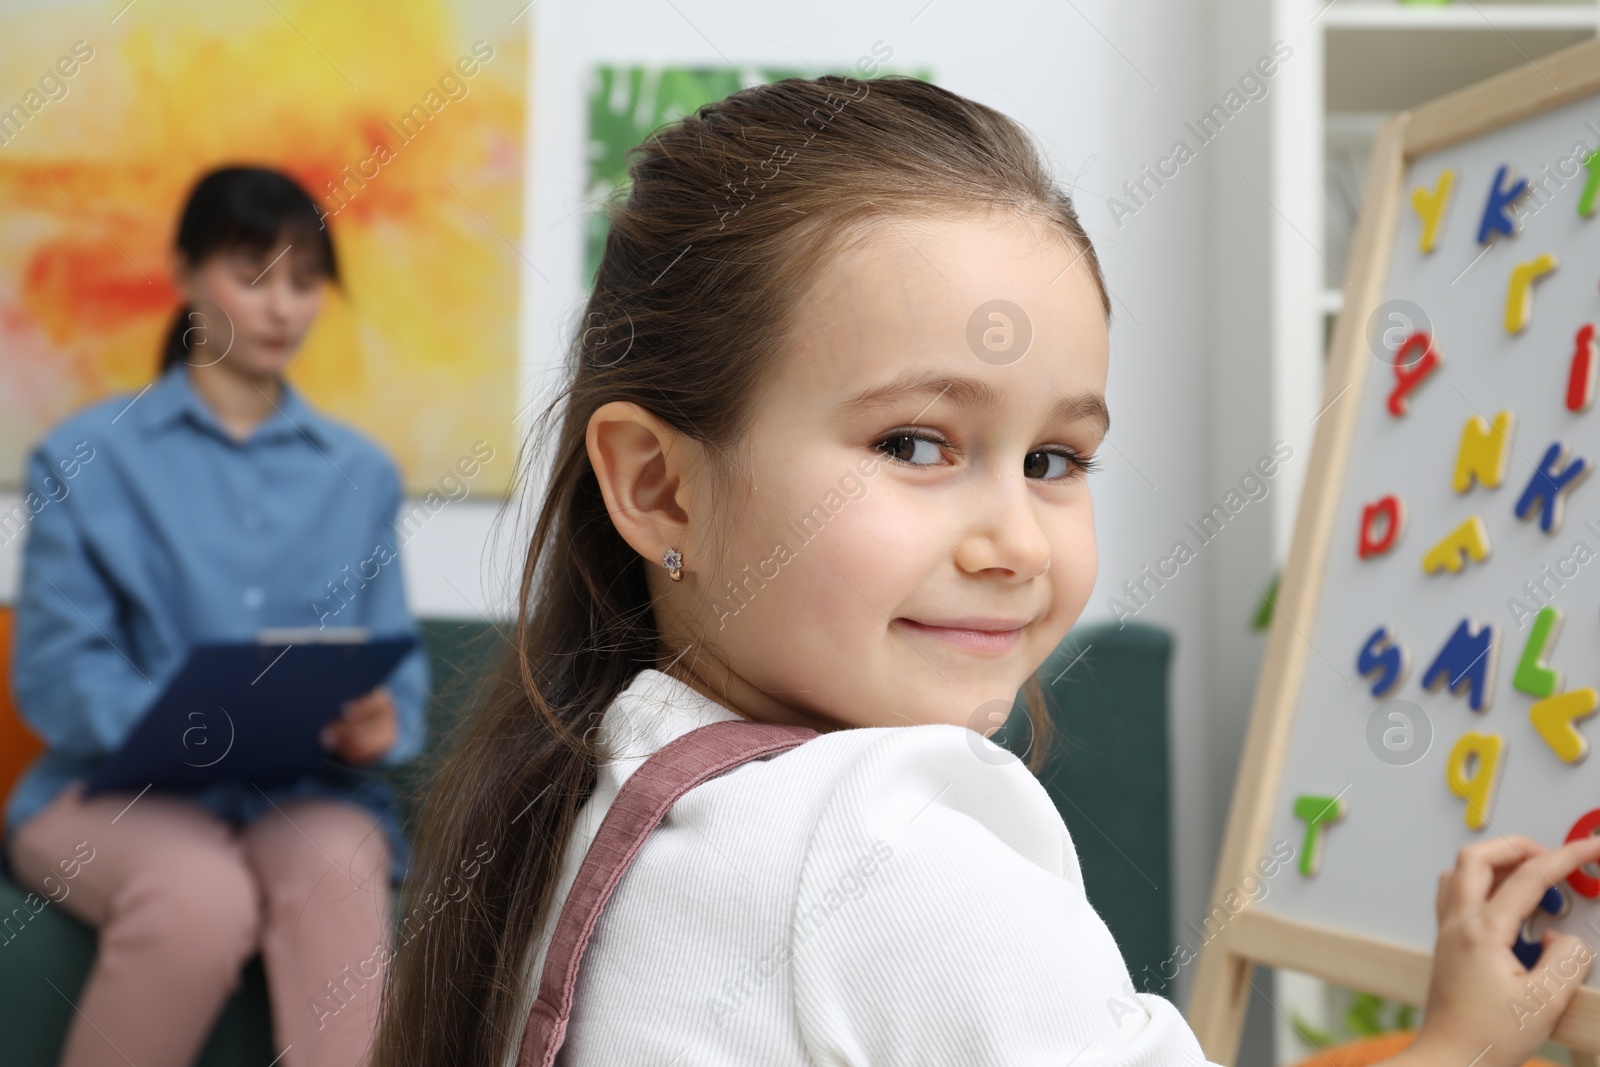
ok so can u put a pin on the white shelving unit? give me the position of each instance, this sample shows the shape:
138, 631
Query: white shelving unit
1357, 62
1372, 15
1382, 57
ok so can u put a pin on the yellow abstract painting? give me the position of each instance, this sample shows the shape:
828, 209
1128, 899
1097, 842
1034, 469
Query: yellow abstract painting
403, 120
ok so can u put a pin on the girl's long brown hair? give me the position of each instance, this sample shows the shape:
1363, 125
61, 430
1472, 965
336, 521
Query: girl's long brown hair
729, 213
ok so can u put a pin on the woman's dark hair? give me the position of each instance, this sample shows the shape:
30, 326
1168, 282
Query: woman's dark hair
243, 207
728, 213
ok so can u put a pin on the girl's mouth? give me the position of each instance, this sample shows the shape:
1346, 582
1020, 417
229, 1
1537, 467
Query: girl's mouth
988, 637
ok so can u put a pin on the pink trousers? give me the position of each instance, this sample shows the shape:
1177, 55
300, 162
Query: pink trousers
182, 900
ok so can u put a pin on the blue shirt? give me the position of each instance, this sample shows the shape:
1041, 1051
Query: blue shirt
151, 529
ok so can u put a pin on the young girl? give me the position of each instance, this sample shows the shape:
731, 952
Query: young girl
211, 504
822, 464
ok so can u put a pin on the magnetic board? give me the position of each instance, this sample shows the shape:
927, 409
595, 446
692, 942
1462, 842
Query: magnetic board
1447, 524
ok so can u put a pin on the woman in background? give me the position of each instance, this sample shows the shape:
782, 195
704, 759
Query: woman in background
210, 505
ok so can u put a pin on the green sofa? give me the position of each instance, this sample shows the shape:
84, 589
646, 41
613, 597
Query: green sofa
1107, 774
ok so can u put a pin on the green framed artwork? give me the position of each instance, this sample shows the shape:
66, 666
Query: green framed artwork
627, 102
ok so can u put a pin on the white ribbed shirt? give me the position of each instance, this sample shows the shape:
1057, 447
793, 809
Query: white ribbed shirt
886, 896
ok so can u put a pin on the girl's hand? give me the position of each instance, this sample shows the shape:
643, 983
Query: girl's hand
367, 729
1472, 1015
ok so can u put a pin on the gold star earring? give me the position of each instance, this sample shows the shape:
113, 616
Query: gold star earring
672, 559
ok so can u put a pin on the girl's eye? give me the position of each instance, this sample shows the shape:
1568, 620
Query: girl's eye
918, 449
904, 447
1053, 465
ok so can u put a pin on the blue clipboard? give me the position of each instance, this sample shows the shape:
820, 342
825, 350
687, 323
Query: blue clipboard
249, 711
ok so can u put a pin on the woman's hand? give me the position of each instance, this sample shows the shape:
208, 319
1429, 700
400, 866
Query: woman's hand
1480, 1010
367, 729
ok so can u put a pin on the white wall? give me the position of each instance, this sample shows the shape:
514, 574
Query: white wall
1242, 381
1107, 87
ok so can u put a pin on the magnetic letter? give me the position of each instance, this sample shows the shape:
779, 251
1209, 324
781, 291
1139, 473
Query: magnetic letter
1388, 660
1467, 657
1430, 208
1533, 677
1318, 812
1391, 511
1582, 882
1553, 718
1470, 539
1580, 379
1409, 373
1496, 219
1526, 948
1591, 186
1519, 292
1549, 486
1482, 751
1483, 452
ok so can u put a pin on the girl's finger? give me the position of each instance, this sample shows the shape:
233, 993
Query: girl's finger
1473, 879
1500, 876
1527, 885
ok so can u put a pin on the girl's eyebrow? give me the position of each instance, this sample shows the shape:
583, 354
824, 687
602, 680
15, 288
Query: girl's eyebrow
973, 393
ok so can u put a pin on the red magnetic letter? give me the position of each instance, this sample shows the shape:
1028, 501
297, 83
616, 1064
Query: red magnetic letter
1389, 508
1409, 374
1580, 382
1582, 881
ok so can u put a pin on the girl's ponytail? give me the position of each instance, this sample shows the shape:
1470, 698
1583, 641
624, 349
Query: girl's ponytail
728, 215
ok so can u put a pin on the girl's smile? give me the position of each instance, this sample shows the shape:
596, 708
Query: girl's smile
985, 636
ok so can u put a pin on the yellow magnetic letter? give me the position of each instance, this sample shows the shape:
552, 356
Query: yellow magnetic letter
1553, 718
1477, 789
1519, 294
1471, 538
1483, 452
1430, 208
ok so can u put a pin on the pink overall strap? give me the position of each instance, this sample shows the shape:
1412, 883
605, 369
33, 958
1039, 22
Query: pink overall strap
640, 805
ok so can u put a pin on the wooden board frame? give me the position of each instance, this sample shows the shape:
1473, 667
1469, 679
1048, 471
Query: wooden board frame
1223, 979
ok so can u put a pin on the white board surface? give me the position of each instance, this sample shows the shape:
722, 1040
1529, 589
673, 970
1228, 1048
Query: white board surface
1403, 825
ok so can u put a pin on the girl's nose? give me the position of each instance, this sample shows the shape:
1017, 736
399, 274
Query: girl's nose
1004, 531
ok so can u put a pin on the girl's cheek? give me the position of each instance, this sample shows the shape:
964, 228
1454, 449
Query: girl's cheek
875, 540
1075, 569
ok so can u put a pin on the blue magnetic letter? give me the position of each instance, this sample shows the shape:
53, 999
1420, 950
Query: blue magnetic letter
1547, 486
1466, 656
1495, 217
1378, 655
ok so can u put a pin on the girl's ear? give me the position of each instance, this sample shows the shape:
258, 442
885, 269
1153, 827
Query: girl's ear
645, 469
